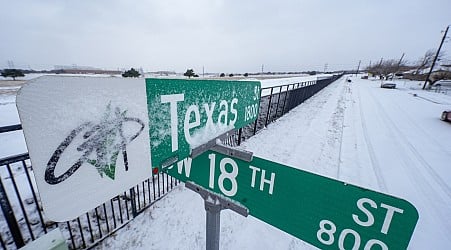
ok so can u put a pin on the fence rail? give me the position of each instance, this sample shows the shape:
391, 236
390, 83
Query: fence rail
24, 221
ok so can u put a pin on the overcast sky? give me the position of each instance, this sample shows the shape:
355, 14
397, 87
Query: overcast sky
223, 36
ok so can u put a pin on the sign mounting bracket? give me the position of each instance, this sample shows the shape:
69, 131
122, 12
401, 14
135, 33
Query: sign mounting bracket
216, 145
209, 144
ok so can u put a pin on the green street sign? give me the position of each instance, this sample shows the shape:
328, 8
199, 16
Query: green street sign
324, 212
184, 114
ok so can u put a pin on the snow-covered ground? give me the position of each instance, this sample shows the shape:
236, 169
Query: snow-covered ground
390, 140
11, 143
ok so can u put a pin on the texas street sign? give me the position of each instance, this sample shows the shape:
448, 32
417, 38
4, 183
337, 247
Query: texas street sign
184, 114
88, 137
327, 213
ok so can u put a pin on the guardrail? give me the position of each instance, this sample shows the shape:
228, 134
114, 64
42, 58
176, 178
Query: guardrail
23, 220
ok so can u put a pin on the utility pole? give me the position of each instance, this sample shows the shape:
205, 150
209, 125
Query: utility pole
358, 67
397, 66
379, 67
400, 59
263, 67
10, 64
325, 68
203, 72
435, 58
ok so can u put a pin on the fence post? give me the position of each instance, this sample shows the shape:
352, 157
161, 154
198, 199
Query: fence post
10, 218
133, 201
278, 100
269, 107
240, 131
284, 100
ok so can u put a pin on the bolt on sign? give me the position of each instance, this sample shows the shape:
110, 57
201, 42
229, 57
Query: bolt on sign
324, 212
186, 114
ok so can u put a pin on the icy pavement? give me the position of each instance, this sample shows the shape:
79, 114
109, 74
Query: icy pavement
389, 140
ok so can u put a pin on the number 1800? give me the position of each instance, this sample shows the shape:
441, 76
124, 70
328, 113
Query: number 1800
250, 111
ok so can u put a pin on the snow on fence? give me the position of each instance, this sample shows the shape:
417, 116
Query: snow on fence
23, 220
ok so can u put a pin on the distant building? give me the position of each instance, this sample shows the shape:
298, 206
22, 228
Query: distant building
74, 69
163, 73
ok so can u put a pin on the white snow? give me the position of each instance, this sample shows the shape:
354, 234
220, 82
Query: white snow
383, 139
390, 140
11, 143
204, 134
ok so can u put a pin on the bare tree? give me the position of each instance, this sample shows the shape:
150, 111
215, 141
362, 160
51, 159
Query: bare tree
386, 68
426, 60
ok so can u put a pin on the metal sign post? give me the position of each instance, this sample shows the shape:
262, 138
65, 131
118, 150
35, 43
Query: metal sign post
214, 203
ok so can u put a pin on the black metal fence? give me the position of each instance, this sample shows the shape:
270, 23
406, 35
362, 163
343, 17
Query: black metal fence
277, 101
23, 220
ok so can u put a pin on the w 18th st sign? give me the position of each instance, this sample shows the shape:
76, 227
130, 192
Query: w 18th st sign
186, 114
327, 213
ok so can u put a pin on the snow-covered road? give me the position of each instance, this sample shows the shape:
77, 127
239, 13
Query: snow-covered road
410, 154
383, 139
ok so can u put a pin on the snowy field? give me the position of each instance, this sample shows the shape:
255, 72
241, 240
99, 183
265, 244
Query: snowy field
383, 139
390, 140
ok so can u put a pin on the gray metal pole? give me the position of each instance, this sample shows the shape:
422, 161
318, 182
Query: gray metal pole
213, 225
214, 203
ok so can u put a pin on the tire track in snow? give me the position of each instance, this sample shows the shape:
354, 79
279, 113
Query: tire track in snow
413, 150
374, 162
331, 147
413, 123
419, 182
344, 101
326, 158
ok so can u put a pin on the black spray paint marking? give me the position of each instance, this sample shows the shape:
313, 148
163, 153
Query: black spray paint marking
106, 139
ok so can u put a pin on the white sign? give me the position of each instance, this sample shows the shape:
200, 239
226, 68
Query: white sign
88, 140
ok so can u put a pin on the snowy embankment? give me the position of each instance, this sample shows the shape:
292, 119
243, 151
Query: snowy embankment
388, 140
